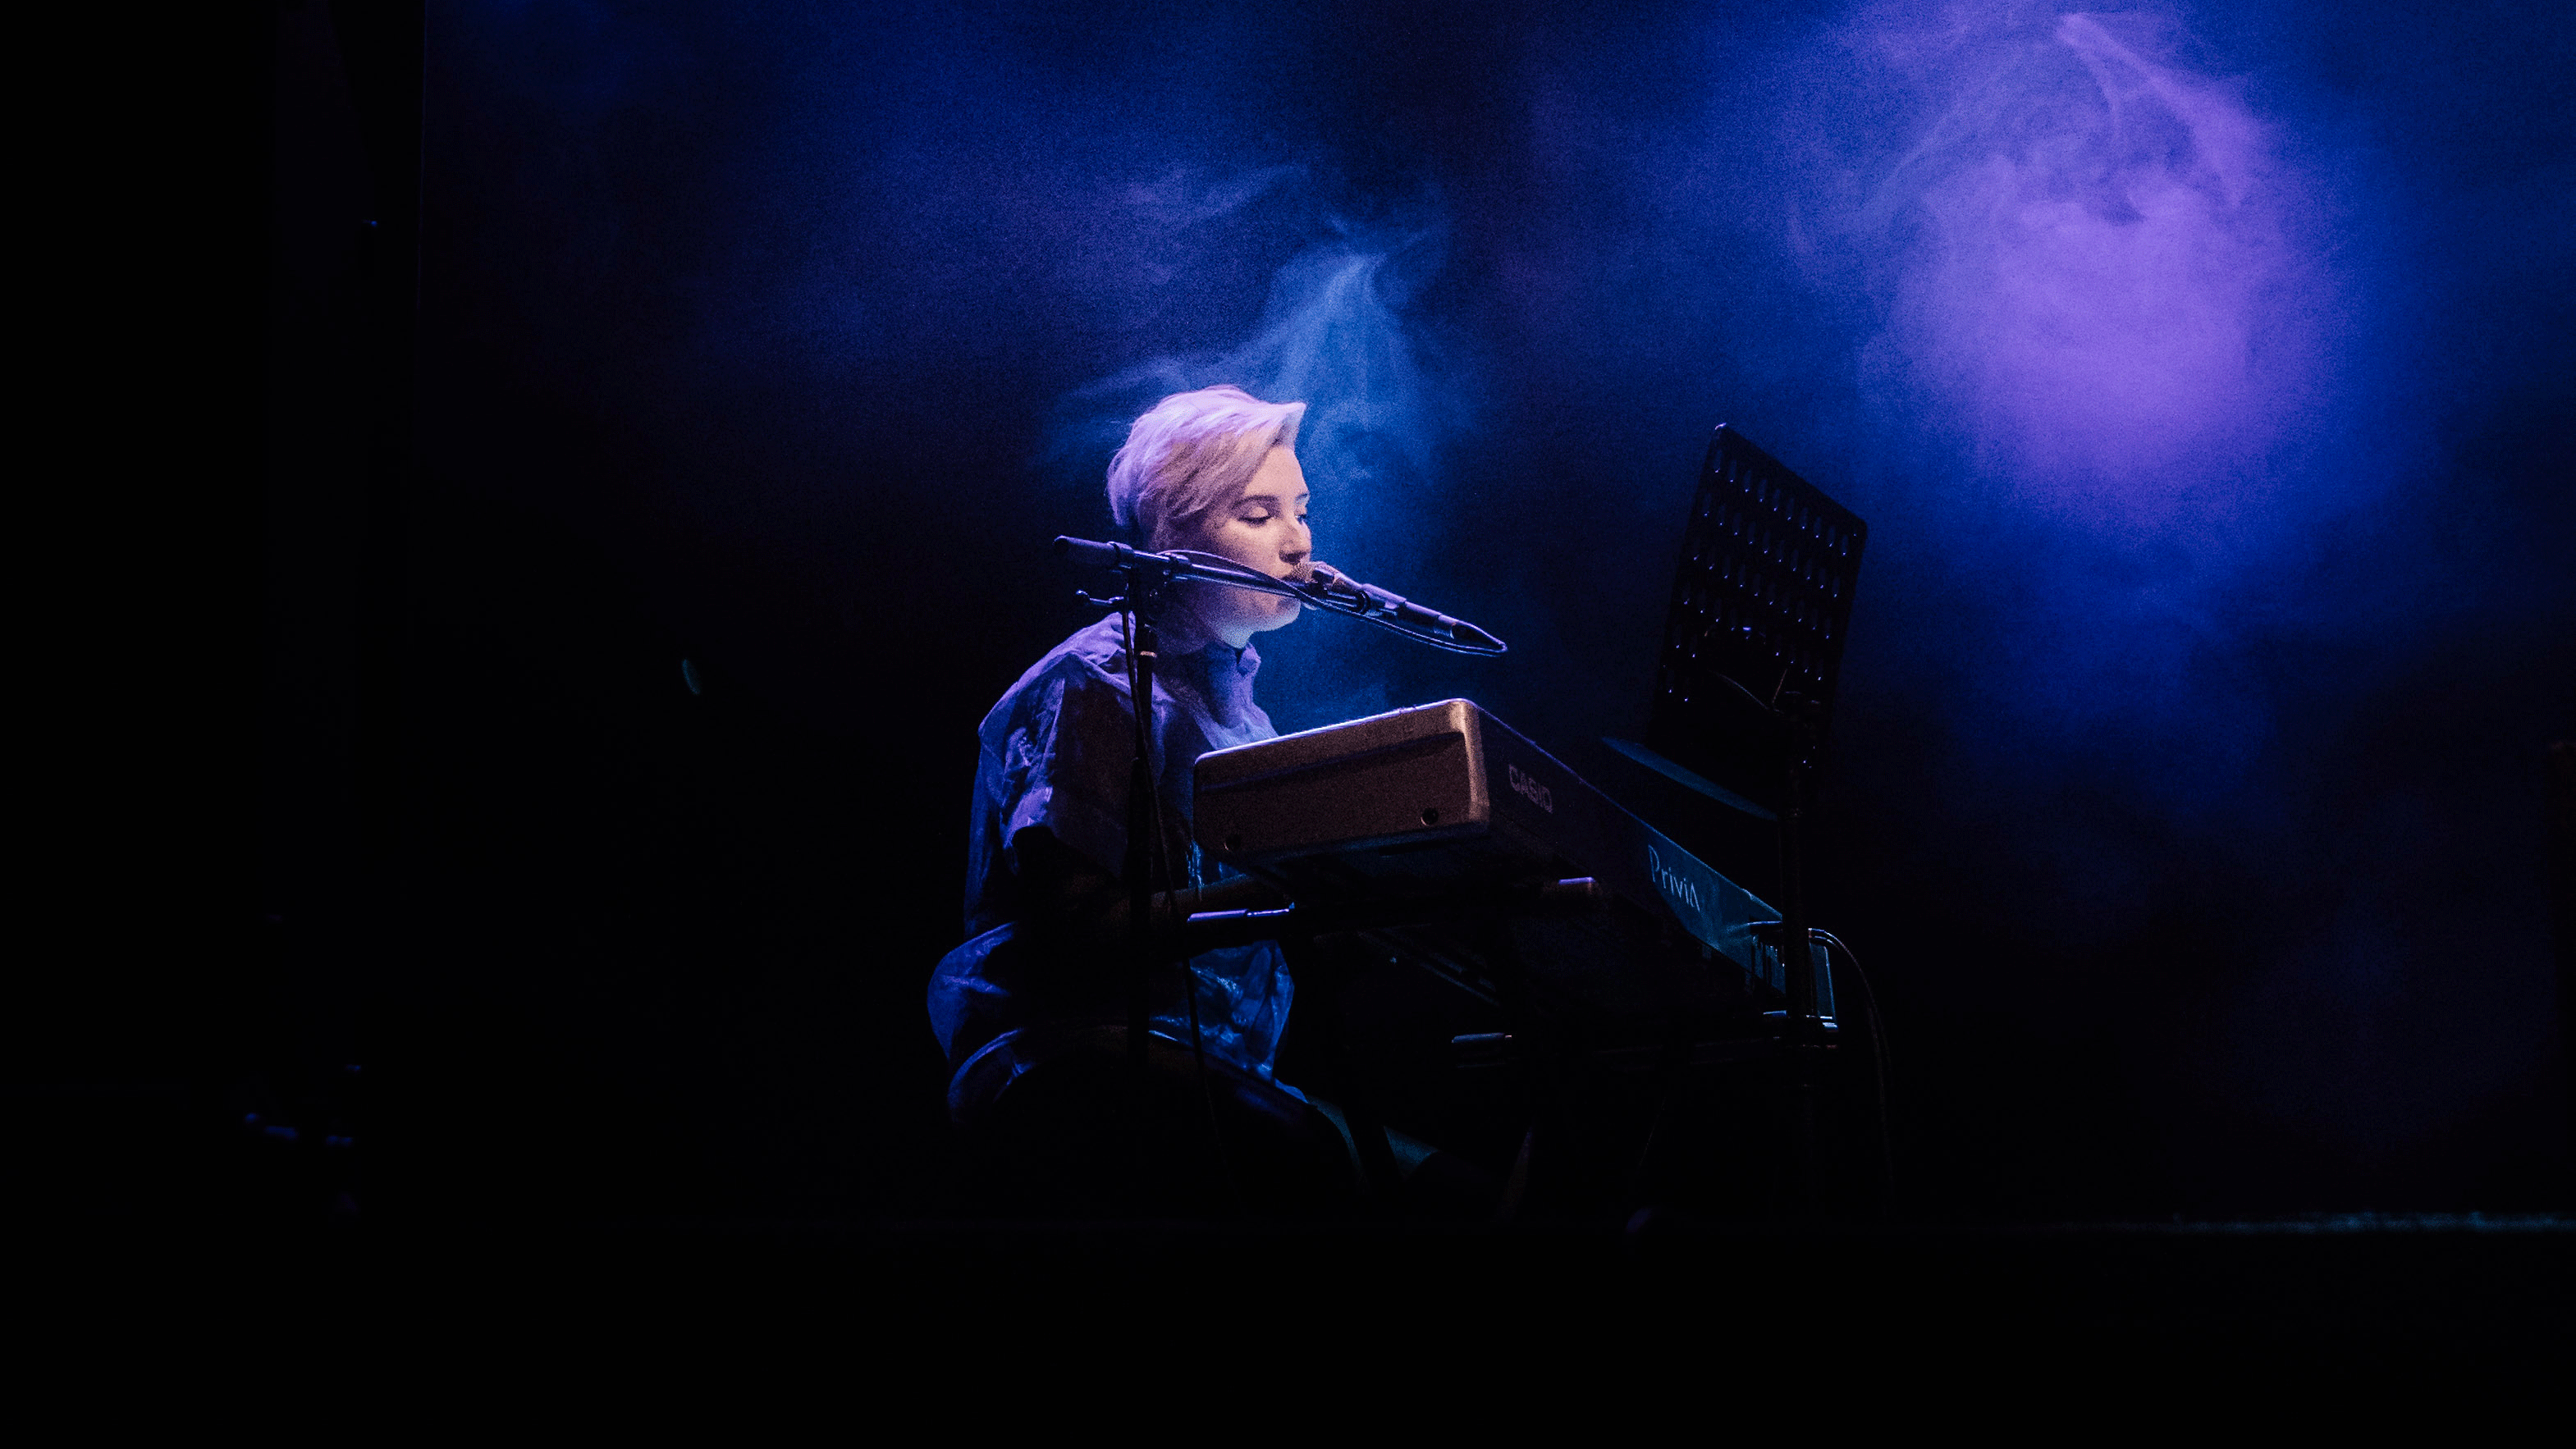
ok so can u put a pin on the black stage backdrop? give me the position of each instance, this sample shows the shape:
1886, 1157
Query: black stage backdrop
2201, 370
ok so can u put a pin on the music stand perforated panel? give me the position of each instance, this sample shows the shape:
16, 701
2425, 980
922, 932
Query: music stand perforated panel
1762, 596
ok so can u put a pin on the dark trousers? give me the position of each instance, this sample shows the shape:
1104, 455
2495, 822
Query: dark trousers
1065, 1127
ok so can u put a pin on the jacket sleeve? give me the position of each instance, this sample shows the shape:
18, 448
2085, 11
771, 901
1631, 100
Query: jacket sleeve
1064, 765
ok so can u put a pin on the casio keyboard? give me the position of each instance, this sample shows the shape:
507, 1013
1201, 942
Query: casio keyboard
1443, 801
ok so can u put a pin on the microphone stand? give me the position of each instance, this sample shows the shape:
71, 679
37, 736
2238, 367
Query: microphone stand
1144, 817
1144, 596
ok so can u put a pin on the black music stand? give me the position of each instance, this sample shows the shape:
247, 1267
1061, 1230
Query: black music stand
1744, 688
1761, 601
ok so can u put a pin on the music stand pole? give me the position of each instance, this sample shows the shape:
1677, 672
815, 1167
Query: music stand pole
1806, 1027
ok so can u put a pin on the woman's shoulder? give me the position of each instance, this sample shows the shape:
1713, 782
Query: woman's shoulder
1090, 660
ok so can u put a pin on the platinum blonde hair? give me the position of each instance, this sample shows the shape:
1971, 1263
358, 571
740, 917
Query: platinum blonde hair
1192, 452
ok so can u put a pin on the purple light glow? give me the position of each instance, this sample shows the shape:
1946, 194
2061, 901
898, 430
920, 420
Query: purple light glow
2092, 268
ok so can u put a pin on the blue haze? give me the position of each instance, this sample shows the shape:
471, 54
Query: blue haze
2172, 521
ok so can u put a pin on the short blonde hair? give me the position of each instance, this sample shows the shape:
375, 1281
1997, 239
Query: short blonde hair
1192, 452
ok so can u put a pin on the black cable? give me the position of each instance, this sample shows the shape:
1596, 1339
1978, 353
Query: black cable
1881, 1061
1881, 1064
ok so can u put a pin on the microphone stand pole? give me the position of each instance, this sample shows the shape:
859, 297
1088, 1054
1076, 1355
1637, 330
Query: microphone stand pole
1145, 594
1143, 812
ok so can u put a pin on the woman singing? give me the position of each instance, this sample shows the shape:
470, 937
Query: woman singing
1031, 1010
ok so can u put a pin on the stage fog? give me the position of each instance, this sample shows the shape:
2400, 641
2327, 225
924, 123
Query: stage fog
2199, 370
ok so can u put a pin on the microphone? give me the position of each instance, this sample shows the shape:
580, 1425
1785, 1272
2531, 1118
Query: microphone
1322, 585
1339, 592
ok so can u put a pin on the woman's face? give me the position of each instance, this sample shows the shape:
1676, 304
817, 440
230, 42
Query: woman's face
1264, 528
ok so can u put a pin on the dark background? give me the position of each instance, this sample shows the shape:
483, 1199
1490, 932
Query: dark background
2189, 796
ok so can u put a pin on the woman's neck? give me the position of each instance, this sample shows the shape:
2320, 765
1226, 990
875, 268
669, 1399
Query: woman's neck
1182, 629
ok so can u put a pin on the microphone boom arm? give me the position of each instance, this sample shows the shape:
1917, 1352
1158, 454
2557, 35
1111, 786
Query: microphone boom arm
1329, 589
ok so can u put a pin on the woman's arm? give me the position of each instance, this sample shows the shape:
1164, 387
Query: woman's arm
1067, 897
